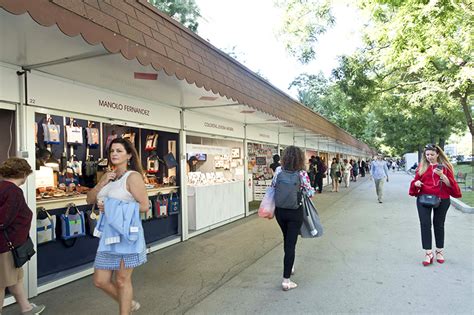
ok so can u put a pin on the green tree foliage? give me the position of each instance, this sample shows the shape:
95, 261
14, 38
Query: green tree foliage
302, 23
410, 84
184, 11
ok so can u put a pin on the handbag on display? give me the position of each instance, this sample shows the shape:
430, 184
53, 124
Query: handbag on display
93, 216
153, 164
51, 132
72, 225
74, 133
92, 136
110, 138
130, 136
173, 203
161, 206
151, 141
149, 214
45, 227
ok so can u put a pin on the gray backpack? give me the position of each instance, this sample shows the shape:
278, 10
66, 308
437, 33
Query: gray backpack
288, 193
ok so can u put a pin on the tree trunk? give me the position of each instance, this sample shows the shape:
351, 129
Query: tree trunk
442, 143
467, 113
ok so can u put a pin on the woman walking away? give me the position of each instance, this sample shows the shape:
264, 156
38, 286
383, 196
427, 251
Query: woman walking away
15, 220
121, 191
336, 173
433, 184
290, 182
347, 169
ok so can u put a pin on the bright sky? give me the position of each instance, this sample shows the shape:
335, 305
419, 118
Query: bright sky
251, 26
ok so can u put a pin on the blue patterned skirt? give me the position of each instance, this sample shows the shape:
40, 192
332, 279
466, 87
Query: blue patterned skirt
107, 261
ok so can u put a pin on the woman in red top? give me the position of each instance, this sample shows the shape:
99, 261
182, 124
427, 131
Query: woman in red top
15, 219
434, 176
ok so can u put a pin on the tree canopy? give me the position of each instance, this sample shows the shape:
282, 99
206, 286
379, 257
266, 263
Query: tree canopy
410, 84
184, 11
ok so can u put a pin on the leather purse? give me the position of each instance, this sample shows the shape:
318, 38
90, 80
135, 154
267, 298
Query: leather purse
431, 201
92, 219
21, 254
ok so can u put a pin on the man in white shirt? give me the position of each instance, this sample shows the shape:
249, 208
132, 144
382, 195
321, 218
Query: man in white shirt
379, 171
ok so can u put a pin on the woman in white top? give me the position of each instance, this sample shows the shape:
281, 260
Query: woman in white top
347, 167
125, 182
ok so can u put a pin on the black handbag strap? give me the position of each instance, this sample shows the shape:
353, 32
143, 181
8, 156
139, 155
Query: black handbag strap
9, 243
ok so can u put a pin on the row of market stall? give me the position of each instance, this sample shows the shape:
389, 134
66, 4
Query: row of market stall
206, 151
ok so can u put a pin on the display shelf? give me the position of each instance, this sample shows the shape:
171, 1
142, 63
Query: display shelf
80, 200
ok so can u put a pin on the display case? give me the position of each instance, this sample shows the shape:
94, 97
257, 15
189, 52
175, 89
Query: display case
76, 158
260, 156
215, 182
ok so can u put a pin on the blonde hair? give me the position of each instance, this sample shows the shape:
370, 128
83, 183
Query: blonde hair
442, 158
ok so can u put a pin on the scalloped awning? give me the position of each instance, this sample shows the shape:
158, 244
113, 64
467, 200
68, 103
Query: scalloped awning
137, 30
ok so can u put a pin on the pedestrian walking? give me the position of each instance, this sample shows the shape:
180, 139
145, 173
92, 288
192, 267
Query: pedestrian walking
15, 223
124, 184
433, 184
362, 168
355, 170
290, 182
379, 172
336, 174
320, 173
347, 168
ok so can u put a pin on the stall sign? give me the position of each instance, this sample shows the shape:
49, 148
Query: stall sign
51, 92
263, 135
212, 125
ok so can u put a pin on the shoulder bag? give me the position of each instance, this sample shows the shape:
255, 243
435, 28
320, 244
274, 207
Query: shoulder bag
21, 254
92, 219
431, 201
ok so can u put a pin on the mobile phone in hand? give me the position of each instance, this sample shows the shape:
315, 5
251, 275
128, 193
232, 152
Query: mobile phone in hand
440, 166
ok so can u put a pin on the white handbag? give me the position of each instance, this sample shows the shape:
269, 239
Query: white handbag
74, 133
45, 228
51, 132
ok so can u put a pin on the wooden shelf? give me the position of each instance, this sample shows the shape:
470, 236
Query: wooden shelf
80, 200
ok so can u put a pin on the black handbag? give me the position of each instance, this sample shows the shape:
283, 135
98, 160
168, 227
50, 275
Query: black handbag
429, 200
21, 254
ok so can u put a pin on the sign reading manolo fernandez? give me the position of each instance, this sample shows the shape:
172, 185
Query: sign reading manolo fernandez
124, 107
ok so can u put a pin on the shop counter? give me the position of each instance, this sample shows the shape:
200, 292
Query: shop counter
211, 204
80, 200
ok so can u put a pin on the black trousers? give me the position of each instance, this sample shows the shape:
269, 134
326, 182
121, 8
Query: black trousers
290, 221
319, 182
439, 216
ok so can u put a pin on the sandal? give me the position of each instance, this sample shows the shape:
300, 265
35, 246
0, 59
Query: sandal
288, 285
439, 256
428, 260
135, 306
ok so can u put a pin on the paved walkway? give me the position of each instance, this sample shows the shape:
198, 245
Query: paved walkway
368, 262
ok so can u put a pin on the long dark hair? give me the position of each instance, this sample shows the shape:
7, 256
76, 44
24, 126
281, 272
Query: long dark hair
292, 159
135, 163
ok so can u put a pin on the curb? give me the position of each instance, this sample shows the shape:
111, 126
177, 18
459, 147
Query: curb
461, 206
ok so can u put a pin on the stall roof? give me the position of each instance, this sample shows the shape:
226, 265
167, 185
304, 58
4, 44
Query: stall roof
138, 31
